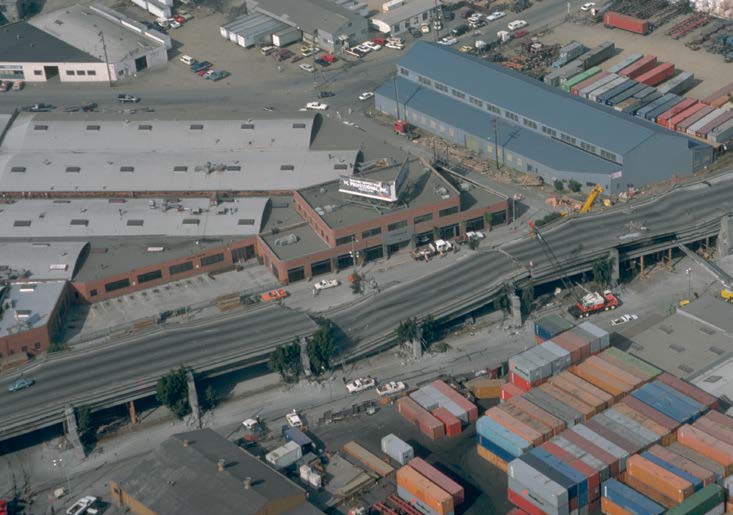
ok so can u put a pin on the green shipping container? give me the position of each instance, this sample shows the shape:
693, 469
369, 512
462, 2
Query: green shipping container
700, 502
648, 370
575, 79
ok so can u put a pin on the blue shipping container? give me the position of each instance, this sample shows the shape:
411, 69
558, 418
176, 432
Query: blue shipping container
573, 474
657, 400
698, 407
494, 449
696, 482
511, 443
293, 434
629, 499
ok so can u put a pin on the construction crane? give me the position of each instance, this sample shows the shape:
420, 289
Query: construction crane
588, 304
592, 196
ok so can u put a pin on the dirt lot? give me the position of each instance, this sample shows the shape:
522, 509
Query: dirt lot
708, 68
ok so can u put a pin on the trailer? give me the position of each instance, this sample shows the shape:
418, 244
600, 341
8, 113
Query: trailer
616, 20
597, 55
678, 84
626, 94
608, 87
652, 115
287, 37
628, 61
608, 95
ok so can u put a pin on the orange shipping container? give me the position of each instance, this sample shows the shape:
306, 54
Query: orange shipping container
601, 380
537, 413
492, 458
658, 478
578, 405
682, 463
699, 441
666, 436
523, 417
611, 508
509, 390
578, 348
645, 489
514, 425
721, 419
425, 490
577, 392
621, 375
585, 385
486, 388
625, 366
714, 429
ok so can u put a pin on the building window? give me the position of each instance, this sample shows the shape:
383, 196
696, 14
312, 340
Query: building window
298, 126
247, 126
397, 225
22, 223
493, 108
37, 72
37, 346
246, 221
92, 293
475, 101
196, 127
40, 127
127, 169
422, 218
73, 169
441, 87
212, 260
511, 116
17, 169
343, 240
371, 232
93, 127
448, 211
287, 168
135, 223
529, 123
180, 168
70, 72
81, 72
180, 268
458, 94
79, 221
149, 276
117, 285
91, 72
404, 71
424, 80
145, 127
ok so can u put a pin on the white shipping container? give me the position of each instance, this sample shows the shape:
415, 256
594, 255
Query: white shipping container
542, 486
304, 470
314, 479
564, 357
424, 400
397, 449
284, 456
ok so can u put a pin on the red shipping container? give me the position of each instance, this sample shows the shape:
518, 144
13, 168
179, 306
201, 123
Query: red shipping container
436, 476
658, 74
509, 390
592, 449
516, 511
551, 421
594, 479
719, 418
452, 424
679, 117
408, 408
602, 395
706, 445
723, 93
459, 399
690, 120
518, 499
416, 414
693, 392
721, 432
578, 348
520, 383
585, 83
643, 65
621, 21
682, 463
649, 412
663, 118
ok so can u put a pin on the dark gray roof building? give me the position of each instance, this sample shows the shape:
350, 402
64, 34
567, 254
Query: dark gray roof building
22, 42
202, 472
547, 131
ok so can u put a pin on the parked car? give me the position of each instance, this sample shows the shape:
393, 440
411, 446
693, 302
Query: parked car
425, 28
218, 75
449, 15
448, 40
366, 95
466, 49
82, 506
18, 85
293, 419
516, 25
325, 284
321, 61
361, 384
395, 46
180, 19
467, 13
371, 44
624, 318
325, 94
187, 59
316, 106
251, 423
309, 51
201, 65
479, 235
274, 295
390, 388
587, 6
4, 85
40, 108
267, 50
307, 67
476, 24
459, 31
20, 384
284, 54
415, 33
174, 24
495, 15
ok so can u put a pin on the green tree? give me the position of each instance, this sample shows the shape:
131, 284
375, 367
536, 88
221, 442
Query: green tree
527, 298
56, 346
357, 286
87, 431
429, 330
602, 269
473, 243
559, 186
285, 360
172, 391
209, 400
574, 186
320, 349
407, 330
549, 218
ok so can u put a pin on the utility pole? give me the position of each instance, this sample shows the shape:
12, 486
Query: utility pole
354, 254
106, 58
496, 142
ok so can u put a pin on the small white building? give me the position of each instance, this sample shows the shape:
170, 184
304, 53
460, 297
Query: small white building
79, 44
411, 14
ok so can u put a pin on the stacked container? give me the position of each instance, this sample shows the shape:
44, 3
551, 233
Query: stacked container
684, 114
628, 61
599, 378
515, 425
587, 82
443, 401
438, 478
619, 499
486, 388
664, 118
416, 414
640, 67
669, 401
582, 390
531, 368
451, 422
397, 449
693, 392
509, 390
630, 364
707, 445
368, 459
503, 444
704, 475
423, 493
709, 500
519, 403
470, 409
534, 492
656, 482
540, 398
658, 74
577, 346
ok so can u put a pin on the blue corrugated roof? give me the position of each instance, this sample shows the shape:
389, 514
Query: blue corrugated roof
553, 107
552, 153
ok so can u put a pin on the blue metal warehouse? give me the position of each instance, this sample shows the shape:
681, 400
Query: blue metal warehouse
539, 129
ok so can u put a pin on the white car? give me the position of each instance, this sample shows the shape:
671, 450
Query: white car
587, 6
307, 67
448, 40
395, 46
516, 24
624, 318
495, 15
425, 29
361, 384
293, 419
479, 235
366, 95
309, 51
187, 59
363, 48
82, 506
326, 284
390, 388
371, 44
316, 106
174, 24
474, 16
250, 423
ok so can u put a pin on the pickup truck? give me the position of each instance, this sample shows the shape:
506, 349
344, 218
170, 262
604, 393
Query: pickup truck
361, 384
326, 284
293, 419
390, 388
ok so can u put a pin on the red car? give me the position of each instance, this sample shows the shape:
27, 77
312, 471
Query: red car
180, 19
274, 295
379, 41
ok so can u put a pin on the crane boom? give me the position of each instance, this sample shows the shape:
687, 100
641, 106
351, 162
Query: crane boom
566, 282
592, 196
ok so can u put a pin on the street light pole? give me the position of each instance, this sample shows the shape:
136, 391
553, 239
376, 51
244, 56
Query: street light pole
689, 283
106, 58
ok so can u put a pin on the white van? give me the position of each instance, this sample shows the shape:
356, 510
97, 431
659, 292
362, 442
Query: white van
517, 24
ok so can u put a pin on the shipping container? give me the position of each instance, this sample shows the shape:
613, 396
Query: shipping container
664, 118
719, 431
696, 407
665, 435
554, 407
608, 95
368, 459
704, 475
492, 457
702, 122
509, 390
717, 122
425, 400
709, 500
613, 370
595, 457
654, 106
569, 400
695, 482
577, 80
600, 426
486, 388
600, 379
623, 427
555, 424
541, 353
603, 336
644, 489
572, 342
521, 383
706, 445
642, 102
569, 52
451, 422
648, 92
541, 486
593, 95
672, 408
514, 425
656, 75
293, 434
673, 101
678, 84
286, 37
541, 428
424, 420
719, 96
502, 437
640, 67
575, 483
628, 499
616, 20
397, 449
598, 54
575, 91
548, 326
700, 459
684, 124
520, 495
599, 448
582, 395
649, 371
285, 455
563, 357
418, 490
530, 367
683, 115
592, 475
625, 63
581, 383
585, 91
495, 448
626, 95
722, 133
444, 482
459, 399
445, 402
715, 416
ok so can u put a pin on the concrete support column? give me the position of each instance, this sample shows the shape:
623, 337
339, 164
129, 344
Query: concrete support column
193, 398
72, 431
417, 343
724, 243
133, 413
615, 266
304, 360
641, 265
515, 304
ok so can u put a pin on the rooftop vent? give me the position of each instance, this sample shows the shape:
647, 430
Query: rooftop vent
127, 169
73, 169
676, 347
22, 223
196, 127
248, 126
135, 223
79, 221
290, 239
17, 169
712, 379
287, 167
